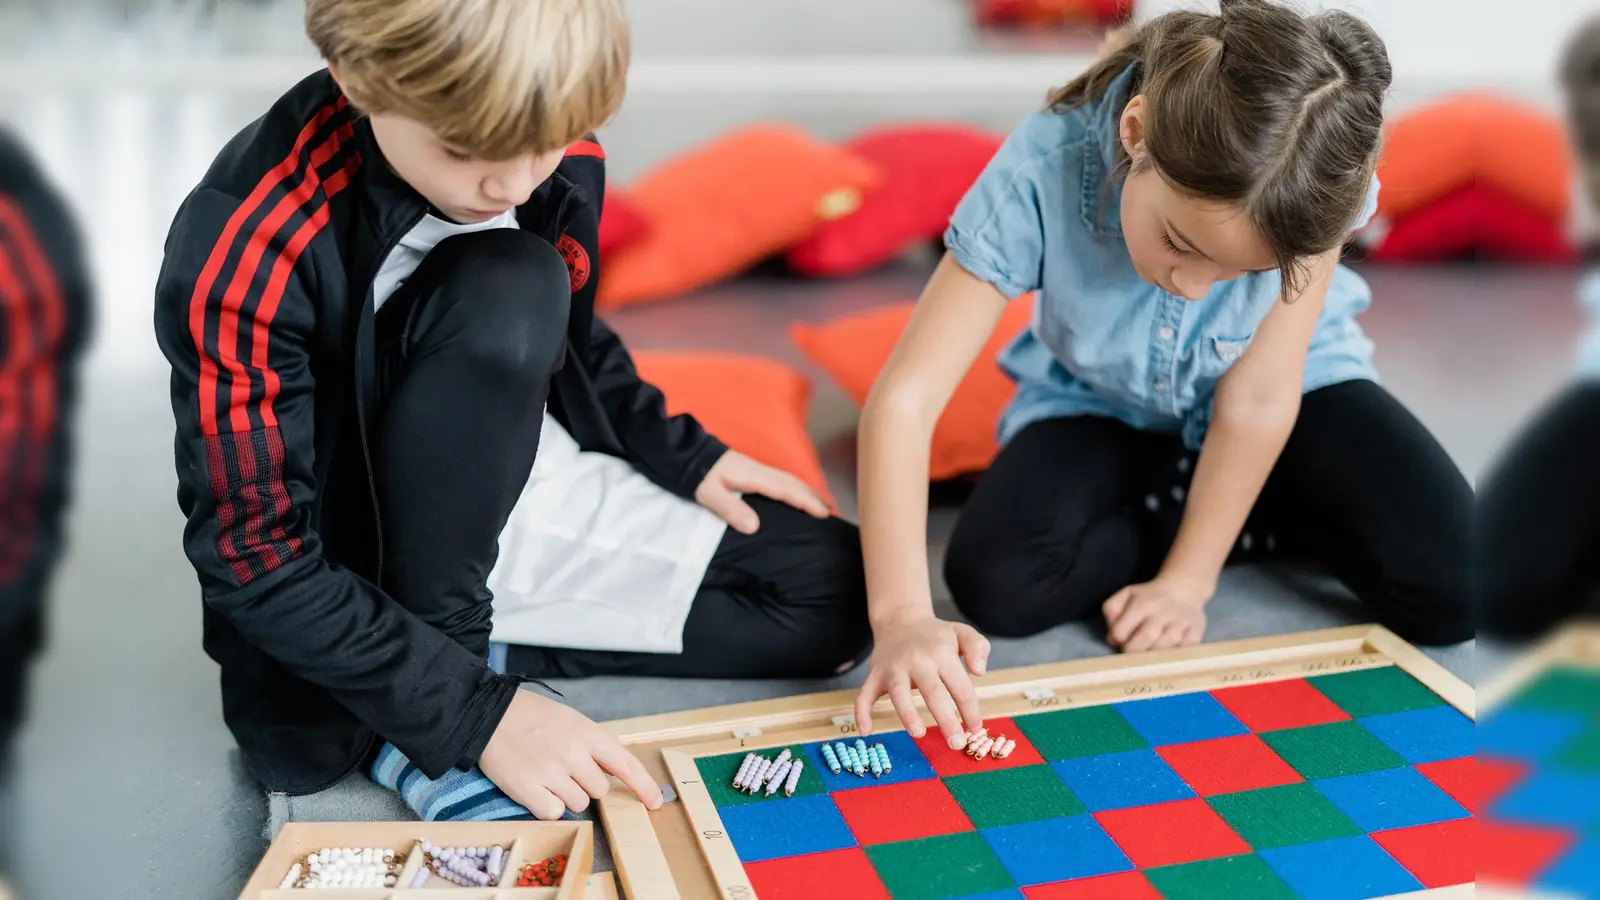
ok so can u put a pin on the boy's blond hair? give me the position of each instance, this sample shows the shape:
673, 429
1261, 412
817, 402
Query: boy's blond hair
496, 78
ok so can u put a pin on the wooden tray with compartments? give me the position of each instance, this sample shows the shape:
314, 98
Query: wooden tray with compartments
525, 842
683, 851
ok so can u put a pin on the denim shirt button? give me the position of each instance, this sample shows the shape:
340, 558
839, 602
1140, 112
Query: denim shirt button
1161, 385
1167, 333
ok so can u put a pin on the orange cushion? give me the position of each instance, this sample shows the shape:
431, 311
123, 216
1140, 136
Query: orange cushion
853, 349
1519, 150
756, 406
719, 209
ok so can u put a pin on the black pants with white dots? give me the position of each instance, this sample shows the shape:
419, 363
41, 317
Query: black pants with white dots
1075, 509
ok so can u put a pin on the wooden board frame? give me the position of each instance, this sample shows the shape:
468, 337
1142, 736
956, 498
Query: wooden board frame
681, 852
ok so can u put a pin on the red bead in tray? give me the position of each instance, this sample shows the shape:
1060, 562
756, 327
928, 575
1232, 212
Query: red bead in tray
543, 874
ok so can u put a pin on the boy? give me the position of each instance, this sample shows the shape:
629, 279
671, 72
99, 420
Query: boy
44, 315
378, 307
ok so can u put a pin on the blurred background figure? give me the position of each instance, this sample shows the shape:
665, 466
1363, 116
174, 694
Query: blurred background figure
1539, 507
44, 318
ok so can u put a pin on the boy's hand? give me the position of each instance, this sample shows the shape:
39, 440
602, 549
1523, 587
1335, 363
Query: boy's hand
551, 758
736, 474
1156, 615
926, 653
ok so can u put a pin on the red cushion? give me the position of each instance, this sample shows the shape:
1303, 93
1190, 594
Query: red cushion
756, 406
926, 171
622, 223
1051, 12
853, 349
1477, 220
1476, 138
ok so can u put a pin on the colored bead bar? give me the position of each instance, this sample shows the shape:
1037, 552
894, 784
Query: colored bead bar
999, 745
883, 756
794, 778
345, 867
778, 775
831, 758
744, 770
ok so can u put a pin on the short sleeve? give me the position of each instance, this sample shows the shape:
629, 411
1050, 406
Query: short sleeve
997, 232
1370, 208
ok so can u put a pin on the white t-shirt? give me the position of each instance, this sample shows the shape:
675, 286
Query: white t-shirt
595, 556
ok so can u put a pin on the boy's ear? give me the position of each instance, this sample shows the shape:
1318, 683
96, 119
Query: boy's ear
334, 71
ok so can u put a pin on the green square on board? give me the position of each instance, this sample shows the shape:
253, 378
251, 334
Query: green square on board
1327, 751
718, 772
1583, 753
1564, 688
1014, 796
1376, 692
1228, 878
1074, 733
936, 868
1281, 816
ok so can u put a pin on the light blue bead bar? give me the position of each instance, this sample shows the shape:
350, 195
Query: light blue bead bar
883, 756
831, 758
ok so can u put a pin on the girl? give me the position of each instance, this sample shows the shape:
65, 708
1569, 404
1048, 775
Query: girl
1539, 515
1179, 210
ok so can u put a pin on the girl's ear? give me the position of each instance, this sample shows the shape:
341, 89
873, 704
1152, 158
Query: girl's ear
1131, 128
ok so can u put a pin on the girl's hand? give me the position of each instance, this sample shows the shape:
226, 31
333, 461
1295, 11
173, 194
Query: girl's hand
736, 474
1156, 615
926, 653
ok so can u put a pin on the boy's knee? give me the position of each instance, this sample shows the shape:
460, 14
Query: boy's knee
515, 298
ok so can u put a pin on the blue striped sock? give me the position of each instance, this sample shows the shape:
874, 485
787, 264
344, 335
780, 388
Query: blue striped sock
456, 797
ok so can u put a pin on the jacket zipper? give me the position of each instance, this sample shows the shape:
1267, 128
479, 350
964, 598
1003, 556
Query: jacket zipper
361, 406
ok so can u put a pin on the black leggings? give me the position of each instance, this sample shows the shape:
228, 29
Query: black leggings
1538, 523
1075, 509
467, 349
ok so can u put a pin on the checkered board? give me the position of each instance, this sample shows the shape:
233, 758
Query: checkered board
1344, 785
1539, 774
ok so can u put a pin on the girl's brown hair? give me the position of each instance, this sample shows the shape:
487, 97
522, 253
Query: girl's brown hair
1580, 78
1258, 105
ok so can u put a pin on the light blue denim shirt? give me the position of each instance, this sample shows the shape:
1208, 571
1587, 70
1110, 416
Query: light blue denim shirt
1589, 348
1043, 217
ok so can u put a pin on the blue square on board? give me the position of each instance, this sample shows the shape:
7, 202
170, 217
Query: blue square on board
1056, 850
790, 827
1527, 735
1425, 735
1577, 870
1390, 798
906, 762
1341, 869
1180, 719
1121, 780
1551, 798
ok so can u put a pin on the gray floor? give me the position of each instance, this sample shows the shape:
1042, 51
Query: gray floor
127, 753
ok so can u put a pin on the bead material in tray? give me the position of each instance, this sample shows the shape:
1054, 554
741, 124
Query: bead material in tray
471, 860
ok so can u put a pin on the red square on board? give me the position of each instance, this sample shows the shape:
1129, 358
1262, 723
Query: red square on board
1474, 783
1166, 834
1439, 854
836, 873
1228, 765
947, 762
1121, 886
1277, 705
1508, 854
901, 812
